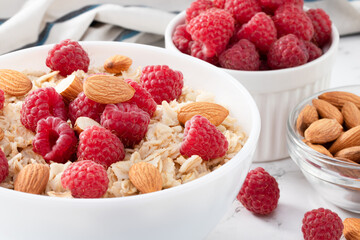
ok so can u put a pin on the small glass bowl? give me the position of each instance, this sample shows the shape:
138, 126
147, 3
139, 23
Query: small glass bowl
336, 181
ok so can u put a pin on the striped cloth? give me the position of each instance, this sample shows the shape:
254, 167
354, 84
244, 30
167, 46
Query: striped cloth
35, 22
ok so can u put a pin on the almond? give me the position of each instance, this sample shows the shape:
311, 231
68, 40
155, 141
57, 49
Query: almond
145, 177
107, 89
2, 134
339, 98
307, 116
327, 110
215, 113
350, 138
14, 83
83, 122
69, 88
323, 131
346, 170
351, 114
352, 228
319, 148
117, 64
32, 179
351, 153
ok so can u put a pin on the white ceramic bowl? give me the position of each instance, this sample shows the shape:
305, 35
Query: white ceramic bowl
276, 92
189, 211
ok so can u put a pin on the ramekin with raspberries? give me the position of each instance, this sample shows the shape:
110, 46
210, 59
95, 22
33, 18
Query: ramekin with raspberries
280, 50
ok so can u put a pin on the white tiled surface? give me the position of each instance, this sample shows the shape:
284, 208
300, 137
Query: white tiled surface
296, 195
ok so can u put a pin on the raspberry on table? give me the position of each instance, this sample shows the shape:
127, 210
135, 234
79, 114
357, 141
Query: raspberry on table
100, 145
242, 10
181, 38
322, 25
313, 50
127, 121
142, 98
242, 56
260, 192
42, 103
260, 30
288, 51
213, 28
85, 179
163, 83
204, 139
197, 7
67, 56
196, 51
2, 99
4, 166
291, 19
54, 140
82, 106
322, 224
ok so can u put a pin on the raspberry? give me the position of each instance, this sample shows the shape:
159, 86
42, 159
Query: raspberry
42, 103
270, 5
163, 83
4, 166
299, 3
322, 224
322, 25
243, 10
286, 52
260, 192
290, 19
219, 3
197, 7
54, 140
2, 99
213, 28
260, 30
242, 56
142, 98
100, 145
203, 138
313, 50
127, 121
196, 51
85, 107
67, 57
85, 179
181, 38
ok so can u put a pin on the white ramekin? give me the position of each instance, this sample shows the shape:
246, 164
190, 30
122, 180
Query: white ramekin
188, 211
276, 92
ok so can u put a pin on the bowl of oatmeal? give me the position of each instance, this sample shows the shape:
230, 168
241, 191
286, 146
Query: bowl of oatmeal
183, 187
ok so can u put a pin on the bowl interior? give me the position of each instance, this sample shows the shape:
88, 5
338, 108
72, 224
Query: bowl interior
197, 74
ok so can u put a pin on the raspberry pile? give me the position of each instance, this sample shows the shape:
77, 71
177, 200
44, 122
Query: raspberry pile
322, 224
212, 29
260, 192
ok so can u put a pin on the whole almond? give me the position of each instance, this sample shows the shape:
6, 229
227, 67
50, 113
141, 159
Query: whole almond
83, 122
14, 83
320, 149
69, 88
323, 131
215, 113
107, 89
33, 178
350, 138
351, 153
351, 114
145, 177
339, 98
2, 134
117, 64
327, 110
352, 228
307, 116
